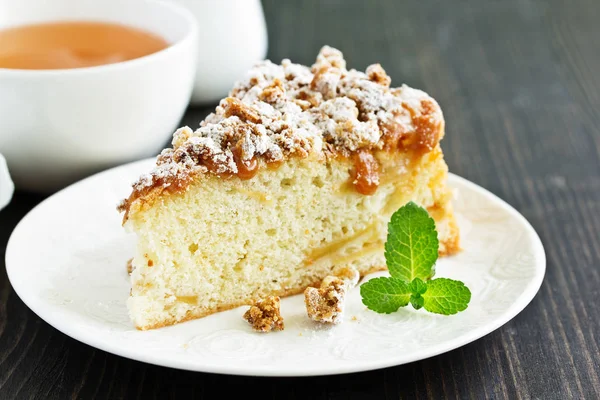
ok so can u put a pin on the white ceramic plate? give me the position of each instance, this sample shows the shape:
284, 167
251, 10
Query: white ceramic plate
66, 260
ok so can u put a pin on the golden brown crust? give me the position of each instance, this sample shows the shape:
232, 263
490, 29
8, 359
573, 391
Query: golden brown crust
224, 307
200, 313
146, 197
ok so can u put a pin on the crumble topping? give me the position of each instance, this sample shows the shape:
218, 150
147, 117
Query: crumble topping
326, 304
287, 110
264, 316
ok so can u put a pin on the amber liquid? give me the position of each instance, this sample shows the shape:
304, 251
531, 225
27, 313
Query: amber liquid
66, 45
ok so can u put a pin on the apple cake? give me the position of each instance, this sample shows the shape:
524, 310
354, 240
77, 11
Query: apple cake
295, 174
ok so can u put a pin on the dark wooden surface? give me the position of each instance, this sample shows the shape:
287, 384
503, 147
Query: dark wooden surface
519, 83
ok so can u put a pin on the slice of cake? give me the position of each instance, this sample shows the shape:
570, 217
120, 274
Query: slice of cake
296, 173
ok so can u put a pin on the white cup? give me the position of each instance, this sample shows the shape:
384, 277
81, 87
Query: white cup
233, 39
6, 184
57, 126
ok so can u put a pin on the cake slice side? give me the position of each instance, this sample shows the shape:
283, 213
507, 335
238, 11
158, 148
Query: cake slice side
226, 243
295, 174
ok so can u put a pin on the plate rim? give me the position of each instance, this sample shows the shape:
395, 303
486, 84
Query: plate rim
515, 308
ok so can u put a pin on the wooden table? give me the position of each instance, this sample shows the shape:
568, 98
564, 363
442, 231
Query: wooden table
519, 83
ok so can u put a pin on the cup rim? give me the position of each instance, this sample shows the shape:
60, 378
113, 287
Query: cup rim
181, 11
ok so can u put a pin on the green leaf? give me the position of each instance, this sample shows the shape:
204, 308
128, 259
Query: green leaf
385, 295
417, 286
412, 244
446, 296
417, 301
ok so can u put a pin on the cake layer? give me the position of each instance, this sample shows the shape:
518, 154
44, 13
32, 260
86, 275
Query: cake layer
226, 242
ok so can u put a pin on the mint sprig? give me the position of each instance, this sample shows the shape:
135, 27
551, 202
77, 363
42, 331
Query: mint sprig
411, 251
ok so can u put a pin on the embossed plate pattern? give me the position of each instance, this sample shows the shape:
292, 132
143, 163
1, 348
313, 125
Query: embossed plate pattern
66, 260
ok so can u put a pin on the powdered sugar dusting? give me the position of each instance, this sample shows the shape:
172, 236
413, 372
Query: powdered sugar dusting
290, 109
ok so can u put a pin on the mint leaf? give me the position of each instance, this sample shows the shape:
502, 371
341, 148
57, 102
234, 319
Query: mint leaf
446, 296
417, 287
417, 301
385, 295
412, 244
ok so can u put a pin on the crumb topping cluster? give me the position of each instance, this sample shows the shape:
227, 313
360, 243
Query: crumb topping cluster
264, 316
326, 304
287, 110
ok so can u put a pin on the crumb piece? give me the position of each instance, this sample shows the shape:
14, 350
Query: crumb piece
354, 318
232, 106
180, 136
274, 93
326, 304
130, 266
325, 81
331, 57
377, 74
264, 315
300, 334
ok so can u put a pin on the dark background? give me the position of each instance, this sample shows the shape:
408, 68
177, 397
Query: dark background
519, 83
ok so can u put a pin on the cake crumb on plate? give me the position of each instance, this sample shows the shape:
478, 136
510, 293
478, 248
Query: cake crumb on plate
264, 315
326, 304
